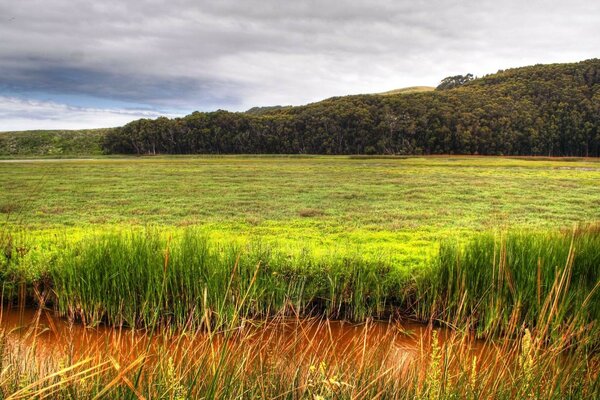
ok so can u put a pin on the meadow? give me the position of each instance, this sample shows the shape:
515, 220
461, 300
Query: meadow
504, 252
372, 205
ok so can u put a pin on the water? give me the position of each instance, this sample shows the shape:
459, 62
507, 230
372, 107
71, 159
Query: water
279, 341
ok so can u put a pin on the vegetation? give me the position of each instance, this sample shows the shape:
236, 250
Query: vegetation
52, 143
489, 283
551, 354
452, 82
386, 223
534, 279
549, 110
381, 207
411, 89
195, 262
264, 110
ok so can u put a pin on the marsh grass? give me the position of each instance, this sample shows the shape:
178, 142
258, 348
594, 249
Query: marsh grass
209, 280
539, 280
126, 278
547, 280
532, 295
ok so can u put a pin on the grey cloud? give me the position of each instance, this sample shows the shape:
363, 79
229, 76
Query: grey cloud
40, 75
190, 54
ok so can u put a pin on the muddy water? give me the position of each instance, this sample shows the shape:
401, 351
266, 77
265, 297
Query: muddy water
283, 340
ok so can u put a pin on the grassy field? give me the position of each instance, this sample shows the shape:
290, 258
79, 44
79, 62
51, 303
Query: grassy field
352, 235
486, 246
398, 206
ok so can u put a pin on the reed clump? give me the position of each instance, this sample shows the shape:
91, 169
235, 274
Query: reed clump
544, 280
549, 281
133, 278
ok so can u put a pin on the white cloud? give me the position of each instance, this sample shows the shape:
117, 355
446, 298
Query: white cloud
19, 114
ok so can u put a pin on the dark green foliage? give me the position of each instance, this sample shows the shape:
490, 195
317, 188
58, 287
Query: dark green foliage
550, 110
265, 110
452, 82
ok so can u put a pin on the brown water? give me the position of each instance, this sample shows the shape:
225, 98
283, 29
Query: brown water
281, 341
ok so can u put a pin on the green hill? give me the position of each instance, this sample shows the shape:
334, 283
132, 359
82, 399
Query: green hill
52, 143
265, 110
550, 110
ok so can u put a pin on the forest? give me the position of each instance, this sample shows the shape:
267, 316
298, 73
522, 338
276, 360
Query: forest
547, 110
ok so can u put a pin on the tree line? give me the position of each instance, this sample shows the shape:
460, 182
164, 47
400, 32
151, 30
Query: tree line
550, 110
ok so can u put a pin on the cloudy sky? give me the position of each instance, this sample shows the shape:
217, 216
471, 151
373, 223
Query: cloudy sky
81, 64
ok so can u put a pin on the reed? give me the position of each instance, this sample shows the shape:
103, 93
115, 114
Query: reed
541, 280
214, 309
545, 280
126, 278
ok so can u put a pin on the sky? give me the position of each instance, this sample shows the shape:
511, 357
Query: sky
73, 64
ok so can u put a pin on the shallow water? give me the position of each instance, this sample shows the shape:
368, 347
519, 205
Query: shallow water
279, 340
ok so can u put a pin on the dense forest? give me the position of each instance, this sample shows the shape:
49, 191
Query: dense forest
551, 110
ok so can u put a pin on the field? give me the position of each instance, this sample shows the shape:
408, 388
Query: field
396, 206
504, 251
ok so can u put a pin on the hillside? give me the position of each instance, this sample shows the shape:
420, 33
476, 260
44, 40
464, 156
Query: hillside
550, 110
407, 90
52, 143
264, 110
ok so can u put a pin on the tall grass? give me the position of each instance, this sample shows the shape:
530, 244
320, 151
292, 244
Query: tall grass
542, 280
530, 287
126, 278
547, 280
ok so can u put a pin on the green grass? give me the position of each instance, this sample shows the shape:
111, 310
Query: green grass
51, 143
149, 278
328, 215
128, 277
373, 205
137, 277
548, 280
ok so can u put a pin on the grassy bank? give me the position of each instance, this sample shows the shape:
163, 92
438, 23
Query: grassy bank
127, 277
52, 143
135, 277
150, 278
532, 295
